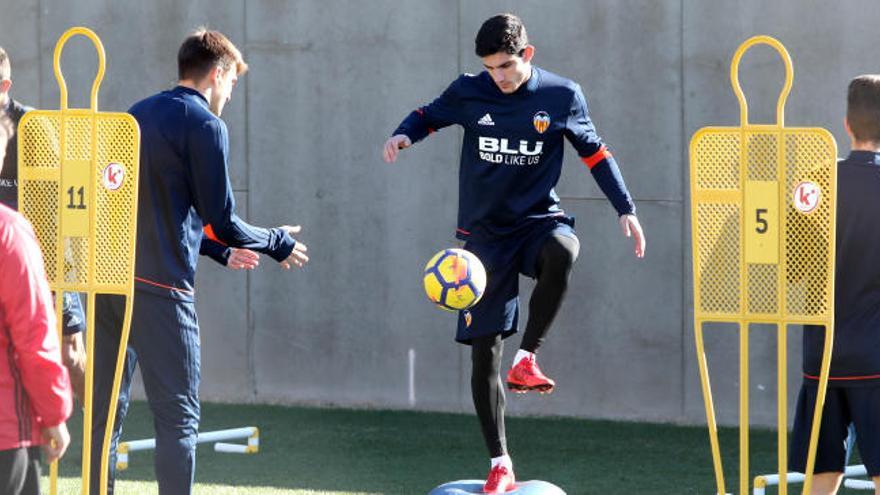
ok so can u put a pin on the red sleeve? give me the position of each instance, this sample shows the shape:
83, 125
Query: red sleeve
30, 322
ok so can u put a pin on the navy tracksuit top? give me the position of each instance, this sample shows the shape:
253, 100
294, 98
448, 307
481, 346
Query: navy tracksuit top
185, 192
511, 155
856, 357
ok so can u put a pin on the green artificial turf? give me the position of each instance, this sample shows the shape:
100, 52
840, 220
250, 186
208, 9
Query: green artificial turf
343, 451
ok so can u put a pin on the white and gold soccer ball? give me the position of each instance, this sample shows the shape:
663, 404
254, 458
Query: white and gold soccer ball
455, 279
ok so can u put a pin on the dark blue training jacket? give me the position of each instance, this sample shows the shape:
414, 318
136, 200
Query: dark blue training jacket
185, 191
9, 174
511, 155
855, 360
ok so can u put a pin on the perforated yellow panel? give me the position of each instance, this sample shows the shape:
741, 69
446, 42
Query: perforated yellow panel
45, 222
805, 271
718, 264
763, 223
78, 176
102, 259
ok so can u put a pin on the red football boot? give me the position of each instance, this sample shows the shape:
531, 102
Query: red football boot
526, 376
500, 480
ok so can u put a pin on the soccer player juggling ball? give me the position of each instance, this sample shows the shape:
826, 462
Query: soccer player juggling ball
515, 116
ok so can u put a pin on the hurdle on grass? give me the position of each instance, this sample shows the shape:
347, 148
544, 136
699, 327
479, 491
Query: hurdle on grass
764, 480
763, 203
251, 433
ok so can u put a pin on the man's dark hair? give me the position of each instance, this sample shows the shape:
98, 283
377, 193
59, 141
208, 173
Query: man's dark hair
863, 108
5, 65
501, 33
203, 50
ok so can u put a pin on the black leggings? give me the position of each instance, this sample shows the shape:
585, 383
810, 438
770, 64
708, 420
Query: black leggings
554, 270
488, 392
20, 471
557, 257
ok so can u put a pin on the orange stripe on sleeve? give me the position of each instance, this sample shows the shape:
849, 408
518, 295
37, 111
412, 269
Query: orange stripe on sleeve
594, 159
421, 112
209, 232
157, 284
845, 378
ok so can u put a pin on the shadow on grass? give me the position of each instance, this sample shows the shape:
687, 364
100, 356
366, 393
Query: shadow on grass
398, 452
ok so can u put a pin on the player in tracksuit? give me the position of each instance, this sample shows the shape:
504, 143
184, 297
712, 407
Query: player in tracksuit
35, 395
184, 193
73, 320
853, 395
515, 117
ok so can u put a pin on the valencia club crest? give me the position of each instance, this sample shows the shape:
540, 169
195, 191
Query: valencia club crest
541, 121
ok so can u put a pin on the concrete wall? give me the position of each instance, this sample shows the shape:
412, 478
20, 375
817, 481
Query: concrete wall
330, 79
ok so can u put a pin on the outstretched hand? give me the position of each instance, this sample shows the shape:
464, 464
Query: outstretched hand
242, 259
394, 145
298, 256
631, 228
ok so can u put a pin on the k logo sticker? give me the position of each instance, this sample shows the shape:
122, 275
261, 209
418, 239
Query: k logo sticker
807, 196
113, 176
541, 121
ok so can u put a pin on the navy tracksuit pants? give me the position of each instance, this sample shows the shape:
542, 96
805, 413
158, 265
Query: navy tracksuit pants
164, 340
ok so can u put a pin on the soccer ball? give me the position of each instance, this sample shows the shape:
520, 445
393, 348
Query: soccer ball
455, 279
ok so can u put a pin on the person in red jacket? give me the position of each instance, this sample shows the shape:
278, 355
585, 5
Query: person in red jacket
35, 394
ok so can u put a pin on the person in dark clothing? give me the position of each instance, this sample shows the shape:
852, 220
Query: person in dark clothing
515, 117
184, 196
853, 395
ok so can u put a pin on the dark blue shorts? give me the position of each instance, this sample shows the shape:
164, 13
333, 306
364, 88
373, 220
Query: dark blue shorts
505, 259
843, 405
72, 316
